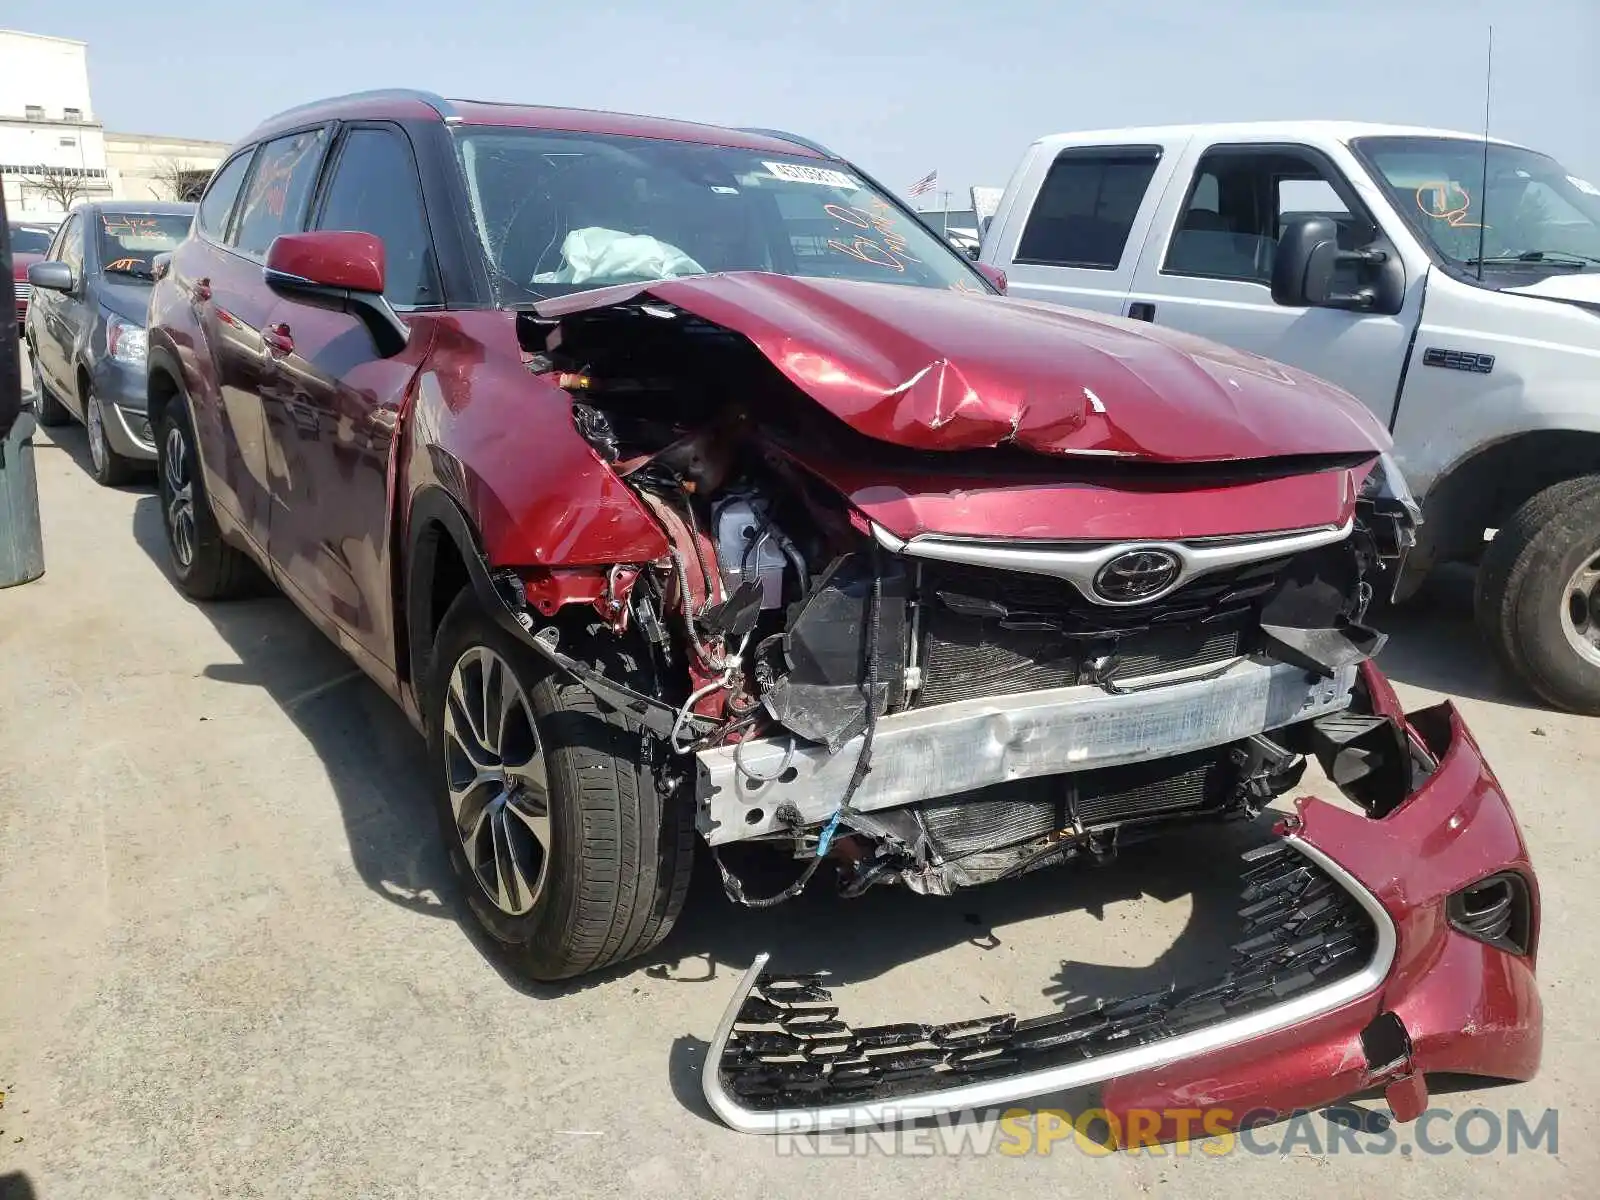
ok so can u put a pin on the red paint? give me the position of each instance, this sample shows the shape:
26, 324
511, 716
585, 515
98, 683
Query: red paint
1118, 505
606, 589
994, 275
1468, 1008
339, 259
933, 369
19, 278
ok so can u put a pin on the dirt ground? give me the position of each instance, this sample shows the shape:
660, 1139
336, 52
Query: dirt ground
232, 961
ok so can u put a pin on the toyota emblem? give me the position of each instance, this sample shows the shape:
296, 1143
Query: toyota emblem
1137, 575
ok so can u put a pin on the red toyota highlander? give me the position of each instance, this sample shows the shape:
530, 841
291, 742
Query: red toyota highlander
682, 486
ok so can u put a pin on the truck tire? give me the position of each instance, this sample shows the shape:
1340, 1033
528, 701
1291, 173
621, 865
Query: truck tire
1538, 595
205, 566
566, 851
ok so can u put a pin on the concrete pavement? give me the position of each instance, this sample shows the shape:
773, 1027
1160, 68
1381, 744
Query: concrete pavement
231, 963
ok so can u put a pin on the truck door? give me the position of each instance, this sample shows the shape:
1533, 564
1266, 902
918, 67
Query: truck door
1206, 266
1077, 242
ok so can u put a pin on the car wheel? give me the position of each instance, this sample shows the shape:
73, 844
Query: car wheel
110, 468
567, 852
1538, 594
207, 568
47, 410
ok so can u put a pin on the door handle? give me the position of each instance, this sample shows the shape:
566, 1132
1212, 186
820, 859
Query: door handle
1142, 310
278, 339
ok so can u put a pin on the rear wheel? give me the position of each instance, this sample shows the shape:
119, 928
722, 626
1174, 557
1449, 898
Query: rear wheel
207, 568
567, 852
110, 468
47, 410
1538, 594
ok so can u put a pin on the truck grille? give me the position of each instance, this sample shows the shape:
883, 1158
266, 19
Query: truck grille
992, 633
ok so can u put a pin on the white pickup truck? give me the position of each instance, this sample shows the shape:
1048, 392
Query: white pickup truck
1467, 317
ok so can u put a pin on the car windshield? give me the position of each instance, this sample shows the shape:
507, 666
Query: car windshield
558, 213
129, 242
1533, 213
30, 239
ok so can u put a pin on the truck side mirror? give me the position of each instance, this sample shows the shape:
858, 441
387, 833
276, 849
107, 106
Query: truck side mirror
1305, 262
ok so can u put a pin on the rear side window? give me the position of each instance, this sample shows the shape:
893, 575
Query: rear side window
375, 190
1086, 207
275, 200
219, 198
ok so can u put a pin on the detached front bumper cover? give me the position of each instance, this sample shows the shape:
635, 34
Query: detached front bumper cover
1354, 969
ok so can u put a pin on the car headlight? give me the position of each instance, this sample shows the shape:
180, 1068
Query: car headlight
125, 341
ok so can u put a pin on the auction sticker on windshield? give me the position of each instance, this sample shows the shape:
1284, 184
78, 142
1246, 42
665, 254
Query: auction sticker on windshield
800, 173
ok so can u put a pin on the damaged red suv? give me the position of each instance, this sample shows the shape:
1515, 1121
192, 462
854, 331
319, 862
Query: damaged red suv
681, 485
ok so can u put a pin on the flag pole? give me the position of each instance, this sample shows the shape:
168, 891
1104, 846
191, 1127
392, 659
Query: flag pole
944, 226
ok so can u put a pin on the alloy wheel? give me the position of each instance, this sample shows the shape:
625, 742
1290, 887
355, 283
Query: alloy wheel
1580, 611
499, 788
98, 451
179, 496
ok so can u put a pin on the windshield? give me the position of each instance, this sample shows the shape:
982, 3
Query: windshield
30, 239
1533, 212
130, 241
558, 213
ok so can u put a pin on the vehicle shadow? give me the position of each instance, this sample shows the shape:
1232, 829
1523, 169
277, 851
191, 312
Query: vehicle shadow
72, 440
1435, 644
377, 767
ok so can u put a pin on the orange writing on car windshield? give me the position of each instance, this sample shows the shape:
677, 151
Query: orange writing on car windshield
1437, 198
125, 264
879, 244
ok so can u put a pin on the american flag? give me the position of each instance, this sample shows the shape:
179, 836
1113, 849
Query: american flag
924, 185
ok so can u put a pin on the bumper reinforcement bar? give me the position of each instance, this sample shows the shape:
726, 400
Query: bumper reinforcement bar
1312, 939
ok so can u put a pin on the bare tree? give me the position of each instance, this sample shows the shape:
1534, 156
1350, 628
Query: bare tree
62, 184
179, 180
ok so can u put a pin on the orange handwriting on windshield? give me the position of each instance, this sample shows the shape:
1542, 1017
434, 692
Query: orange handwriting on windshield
879, 243
125, 264
1437, 199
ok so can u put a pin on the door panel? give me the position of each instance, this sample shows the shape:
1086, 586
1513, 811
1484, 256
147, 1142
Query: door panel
332, 410
1207, 266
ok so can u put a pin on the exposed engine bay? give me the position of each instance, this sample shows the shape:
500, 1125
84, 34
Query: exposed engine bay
934, 711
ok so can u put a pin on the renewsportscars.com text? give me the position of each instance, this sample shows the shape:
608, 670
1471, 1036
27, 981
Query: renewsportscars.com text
1213, 1132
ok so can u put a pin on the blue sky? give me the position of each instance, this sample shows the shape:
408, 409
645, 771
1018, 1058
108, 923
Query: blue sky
901, 86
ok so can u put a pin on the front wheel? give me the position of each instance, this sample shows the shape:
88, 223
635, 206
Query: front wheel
567, 851
47, 410
1538, 594
110, 468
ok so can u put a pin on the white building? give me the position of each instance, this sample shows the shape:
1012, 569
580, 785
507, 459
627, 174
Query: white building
54, 153
52, 149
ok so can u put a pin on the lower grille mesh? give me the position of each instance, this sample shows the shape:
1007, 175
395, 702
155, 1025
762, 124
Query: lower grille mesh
1299, 931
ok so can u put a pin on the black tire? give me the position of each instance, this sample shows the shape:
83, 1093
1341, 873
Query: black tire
47, 410
1522, 588
208, 568
617, 868
110, 468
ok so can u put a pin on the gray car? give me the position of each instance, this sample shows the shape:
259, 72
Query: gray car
85, 328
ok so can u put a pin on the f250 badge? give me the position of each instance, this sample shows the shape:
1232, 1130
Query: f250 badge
1458, 360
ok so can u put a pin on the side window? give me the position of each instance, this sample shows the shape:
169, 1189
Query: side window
1086, 208
374, 190
1237, 206
71, 247
274, 201
219, 197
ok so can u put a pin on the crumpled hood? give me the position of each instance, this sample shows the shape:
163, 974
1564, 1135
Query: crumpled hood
944, 370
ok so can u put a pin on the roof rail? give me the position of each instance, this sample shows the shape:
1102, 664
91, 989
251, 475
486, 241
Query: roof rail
439, 104
794, 138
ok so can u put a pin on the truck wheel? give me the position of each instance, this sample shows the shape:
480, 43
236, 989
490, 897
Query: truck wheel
47, 410
1538, 594
207, 568
565, 849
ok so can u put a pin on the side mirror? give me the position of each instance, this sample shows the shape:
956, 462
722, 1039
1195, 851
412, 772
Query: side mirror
1307, 258
341, 271
994, 275
52, 277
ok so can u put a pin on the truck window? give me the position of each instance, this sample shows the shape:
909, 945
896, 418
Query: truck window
1237, 206
1086, 207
